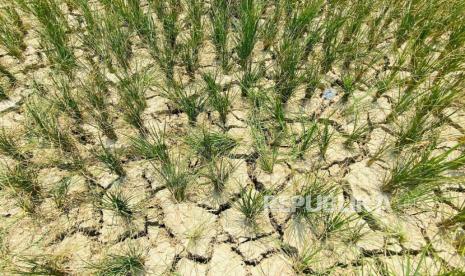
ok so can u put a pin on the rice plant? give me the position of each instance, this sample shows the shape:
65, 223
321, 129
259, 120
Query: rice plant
187, 99
218, 99
12, 32
190, 50
117, 40
47, 127
120, 204
422, 169
132, 89
177, 176
65, 98
266, 150
220, 17
251, 204
209, 145
305, 140
96, 94
270, 28
9, 146
111, 158
358, 133
54, 34
218, 172
249, 12
40, 265
287, 75
325, 135
20, 179
60, 192
129, 262
315, 194
152, 145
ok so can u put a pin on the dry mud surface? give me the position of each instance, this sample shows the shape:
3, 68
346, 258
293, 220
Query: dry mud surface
206, 234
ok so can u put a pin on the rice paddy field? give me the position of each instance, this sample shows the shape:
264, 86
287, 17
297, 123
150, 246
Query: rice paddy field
232, 137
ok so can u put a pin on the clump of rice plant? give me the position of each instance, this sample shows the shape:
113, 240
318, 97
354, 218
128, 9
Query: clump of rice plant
249, 15
220, 17
190, 50
306, 139
47, 127
357, 134
168, 13
332, 26
54, 33
20, 179
64, 98
266, 150
129, 262
132, 89
457, 219
40, 265
188, 100
325, 134
12, 32
10, 147
120, 204
111, 158
315, 193
117, 39
251, 204
287, 75
218, 99
422, 169
270, 28
218, 172
210, 145
96, 92
60, 192
152, 145
177, 176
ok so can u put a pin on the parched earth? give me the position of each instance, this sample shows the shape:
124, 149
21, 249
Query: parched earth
207, 234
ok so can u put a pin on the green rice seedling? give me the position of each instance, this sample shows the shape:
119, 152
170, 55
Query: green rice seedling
40, 265
332, 26
46, 126
95, 92
187, 100
287, 73
251, 204
266, 150
218, 172
20, 179
358, 133
333, 222
270, 28
457, 219
177, 176
117, 39
348, 85
311, 78
64, 98
249, 78
220, 17
209, 144
9, 146
325, 136
275, 108
59, 193
190, 51
129, 262
111, 158
315, 192
54, 34
12, 32
302, 261
132, 89
300, 15
249, 15
151, 146
306, 139
422, 169
168, 13
415, 197
120, 204
218, 99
